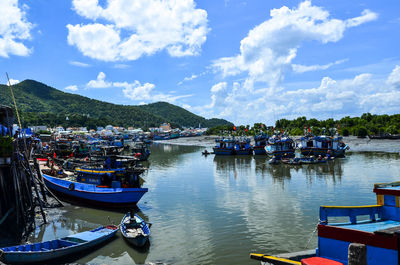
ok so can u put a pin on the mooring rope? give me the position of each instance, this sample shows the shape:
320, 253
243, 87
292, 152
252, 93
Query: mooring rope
312, 235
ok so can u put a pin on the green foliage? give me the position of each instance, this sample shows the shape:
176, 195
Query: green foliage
40, 104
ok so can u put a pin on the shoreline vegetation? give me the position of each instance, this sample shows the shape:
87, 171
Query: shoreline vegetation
367, 124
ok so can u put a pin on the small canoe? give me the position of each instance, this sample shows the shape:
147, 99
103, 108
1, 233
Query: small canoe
135, 230
58, 248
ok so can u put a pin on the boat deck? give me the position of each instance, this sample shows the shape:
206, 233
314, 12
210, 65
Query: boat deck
371, 226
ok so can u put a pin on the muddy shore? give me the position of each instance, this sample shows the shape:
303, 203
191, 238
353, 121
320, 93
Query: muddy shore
356, 144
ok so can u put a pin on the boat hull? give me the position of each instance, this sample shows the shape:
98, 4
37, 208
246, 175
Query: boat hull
22, 254
92, 195
259, 150
282, 154
223, 151
244, 152
307, 151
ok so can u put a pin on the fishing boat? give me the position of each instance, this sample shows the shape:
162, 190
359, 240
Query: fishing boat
135, 230
141, 151
280, 146
322, 145
243, 147
58, 248
104, 187
260, 141
375, 227
224, 146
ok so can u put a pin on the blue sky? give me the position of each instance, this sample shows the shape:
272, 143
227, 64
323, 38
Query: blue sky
245, 61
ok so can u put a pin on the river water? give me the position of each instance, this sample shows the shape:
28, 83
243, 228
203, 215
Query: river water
217, 210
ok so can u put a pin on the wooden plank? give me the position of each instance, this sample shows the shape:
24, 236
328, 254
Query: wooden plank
273, 260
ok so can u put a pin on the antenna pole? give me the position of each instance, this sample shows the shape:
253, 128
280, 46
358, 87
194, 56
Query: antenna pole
15, 104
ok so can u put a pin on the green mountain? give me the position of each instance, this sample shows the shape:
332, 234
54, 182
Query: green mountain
40, 104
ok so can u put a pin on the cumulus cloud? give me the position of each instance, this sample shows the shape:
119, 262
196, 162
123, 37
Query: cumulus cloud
14, 28
99, 82
71, 88
331, 98
134, 29
135, 91
394, 77
268, 50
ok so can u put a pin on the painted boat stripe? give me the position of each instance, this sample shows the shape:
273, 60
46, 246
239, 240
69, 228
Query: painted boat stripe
357, 236
272, 259
350, 207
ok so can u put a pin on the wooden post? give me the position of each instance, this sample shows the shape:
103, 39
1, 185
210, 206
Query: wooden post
357, 254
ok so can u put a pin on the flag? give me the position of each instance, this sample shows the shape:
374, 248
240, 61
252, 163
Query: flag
234, 128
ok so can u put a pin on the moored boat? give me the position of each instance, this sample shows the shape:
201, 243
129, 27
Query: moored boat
58, 248
323, 145
224, 146
280, 146
104, 187
135, 230
243, 146
260, 141
378, 235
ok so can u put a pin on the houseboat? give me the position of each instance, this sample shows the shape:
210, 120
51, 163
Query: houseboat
323, 145
260, 141
280, 146
224, 146
375, 229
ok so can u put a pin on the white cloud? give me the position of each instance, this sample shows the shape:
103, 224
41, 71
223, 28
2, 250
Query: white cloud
135, 91
298, 68
394, 77
14, 28
79, 64
14, 81
71, 88
135, 29
99, 82
331, 98
269, 48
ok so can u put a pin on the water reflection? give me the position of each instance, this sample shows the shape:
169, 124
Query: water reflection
218, 209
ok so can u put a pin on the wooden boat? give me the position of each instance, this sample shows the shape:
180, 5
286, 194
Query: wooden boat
243, 147
135, 230
58, 248
322, 145
224, 146
384, 137
280, 146
98, 187
260, 141
379, 234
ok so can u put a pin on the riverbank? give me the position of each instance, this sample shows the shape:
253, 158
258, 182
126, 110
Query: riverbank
356, 144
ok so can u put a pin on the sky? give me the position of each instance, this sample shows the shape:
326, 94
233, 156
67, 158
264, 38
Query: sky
244, 61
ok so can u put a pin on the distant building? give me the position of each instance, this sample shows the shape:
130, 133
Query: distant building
38, 128
99, 129
166, 127
109, 127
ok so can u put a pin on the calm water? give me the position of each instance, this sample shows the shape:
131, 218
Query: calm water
216, 210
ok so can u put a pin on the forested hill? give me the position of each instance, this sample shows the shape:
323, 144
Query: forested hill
40, 104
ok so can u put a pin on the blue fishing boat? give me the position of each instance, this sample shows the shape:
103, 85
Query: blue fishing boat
58, 248
111, 187
280, 146
243, 146
322, 145
375, 227
135, 230
224, 146
260, 141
